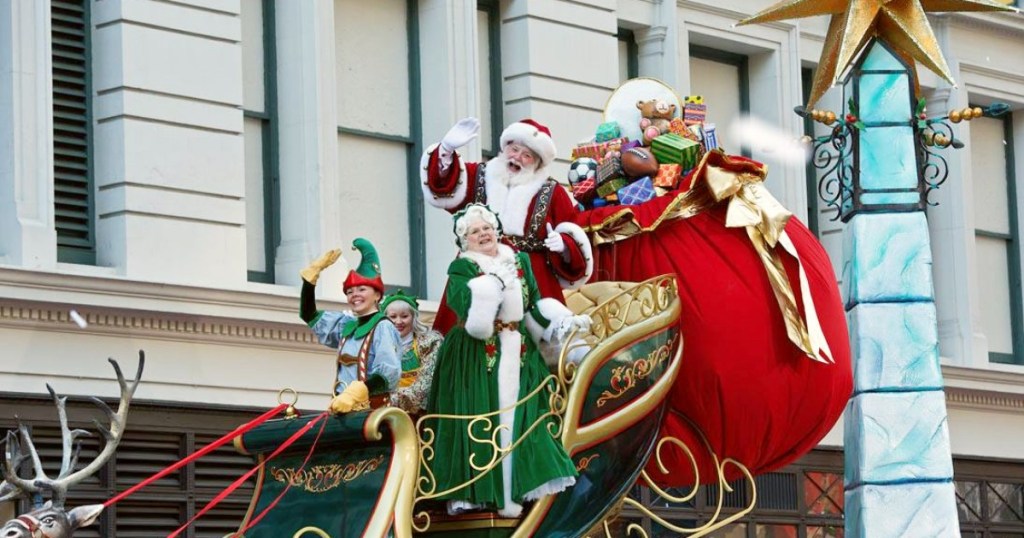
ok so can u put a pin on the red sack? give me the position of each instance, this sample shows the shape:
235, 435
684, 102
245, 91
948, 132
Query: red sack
755, 395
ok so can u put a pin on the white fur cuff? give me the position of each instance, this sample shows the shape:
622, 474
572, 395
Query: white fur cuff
485, 298
580, 238
444, 201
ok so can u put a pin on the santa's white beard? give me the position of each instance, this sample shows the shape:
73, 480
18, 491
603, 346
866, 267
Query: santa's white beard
498, 169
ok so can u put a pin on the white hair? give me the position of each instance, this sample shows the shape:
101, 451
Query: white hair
418, 327
472, 213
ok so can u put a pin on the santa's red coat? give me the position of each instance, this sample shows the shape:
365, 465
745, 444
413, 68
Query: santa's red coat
455, 188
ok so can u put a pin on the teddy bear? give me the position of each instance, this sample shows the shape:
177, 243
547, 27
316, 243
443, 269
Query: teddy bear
656, 115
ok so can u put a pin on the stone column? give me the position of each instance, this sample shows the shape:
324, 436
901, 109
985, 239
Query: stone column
168, 142
308, 135
899, 468
27, 235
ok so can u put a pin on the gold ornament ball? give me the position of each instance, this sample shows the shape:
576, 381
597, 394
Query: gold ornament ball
967, 113
830, 117
941, 140
978, 112
929, 138
954, 116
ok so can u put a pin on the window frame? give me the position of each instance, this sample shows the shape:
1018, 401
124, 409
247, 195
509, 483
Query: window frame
493, 10
625, 35
270, 149
70, 249
1013, 257
741, 62
414, 149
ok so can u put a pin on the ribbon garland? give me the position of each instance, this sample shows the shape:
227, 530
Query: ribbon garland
198, 454
241, 480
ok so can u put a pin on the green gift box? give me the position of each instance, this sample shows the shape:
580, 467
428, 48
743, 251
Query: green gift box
671, 148
611, 186
607, 131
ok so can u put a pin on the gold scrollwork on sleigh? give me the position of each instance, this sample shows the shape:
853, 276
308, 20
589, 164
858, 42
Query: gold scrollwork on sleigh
323, 478
712, 524
626, 377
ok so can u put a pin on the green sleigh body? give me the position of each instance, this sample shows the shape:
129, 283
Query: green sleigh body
364, 476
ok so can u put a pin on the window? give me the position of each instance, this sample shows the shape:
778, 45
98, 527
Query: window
259, 101
996, 238
489, 70
72, 132
629, 56
989, 498
722, 78
379, 133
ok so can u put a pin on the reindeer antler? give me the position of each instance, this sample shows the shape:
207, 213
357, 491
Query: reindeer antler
14, 485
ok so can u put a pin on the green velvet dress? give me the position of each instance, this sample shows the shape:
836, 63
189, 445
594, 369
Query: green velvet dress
466, 382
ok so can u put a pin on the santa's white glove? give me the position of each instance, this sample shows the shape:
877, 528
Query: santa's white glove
554, 241
460, 134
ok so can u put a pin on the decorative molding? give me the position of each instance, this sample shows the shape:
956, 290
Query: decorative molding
981, 400
1007, 24
159, 325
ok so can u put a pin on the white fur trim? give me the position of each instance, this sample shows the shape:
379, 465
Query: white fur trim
511, 202
485, 299
580, 238
551, 487
489, 263
555, 312
531, 137
508, 393
444, 202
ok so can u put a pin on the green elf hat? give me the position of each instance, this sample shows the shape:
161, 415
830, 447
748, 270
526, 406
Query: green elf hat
368, 272
401, 296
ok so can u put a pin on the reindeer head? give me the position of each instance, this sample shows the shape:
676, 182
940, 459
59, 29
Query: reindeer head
52, 520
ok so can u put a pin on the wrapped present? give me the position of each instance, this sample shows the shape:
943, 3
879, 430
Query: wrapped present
673, 149
599, 202
607, 131
609, 169
585, 191
611, 187
694, 110
661, 191
637, 192
630, 145
596, 150
678, 127
710, 137
612, 198
668, 176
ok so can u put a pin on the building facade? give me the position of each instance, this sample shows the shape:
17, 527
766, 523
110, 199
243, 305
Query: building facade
168, 166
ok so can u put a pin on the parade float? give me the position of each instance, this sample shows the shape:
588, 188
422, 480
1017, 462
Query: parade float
719, 345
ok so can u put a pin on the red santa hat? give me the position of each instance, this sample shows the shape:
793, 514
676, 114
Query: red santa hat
533, 135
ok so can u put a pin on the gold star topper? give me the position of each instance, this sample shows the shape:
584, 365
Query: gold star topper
900, 23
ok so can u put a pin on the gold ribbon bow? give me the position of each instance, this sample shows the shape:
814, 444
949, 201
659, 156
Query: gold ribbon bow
751, 206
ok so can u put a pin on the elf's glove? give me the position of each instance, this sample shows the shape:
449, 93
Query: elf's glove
460, 134
312, 273
355, 397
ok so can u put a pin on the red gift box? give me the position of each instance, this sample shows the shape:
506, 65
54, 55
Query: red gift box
668, 176
597, 150
585, 191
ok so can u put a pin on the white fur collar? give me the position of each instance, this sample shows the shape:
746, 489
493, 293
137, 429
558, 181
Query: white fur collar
511, 202
505, 255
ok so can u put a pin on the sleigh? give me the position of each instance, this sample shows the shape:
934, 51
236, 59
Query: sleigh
368, 473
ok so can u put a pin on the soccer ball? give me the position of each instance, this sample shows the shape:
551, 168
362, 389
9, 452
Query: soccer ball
582, 169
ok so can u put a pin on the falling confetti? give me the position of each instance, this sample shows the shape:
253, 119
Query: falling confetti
78, 319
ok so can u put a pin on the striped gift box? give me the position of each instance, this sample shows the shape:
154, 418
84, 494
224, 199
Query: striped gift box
597, 150
673, 149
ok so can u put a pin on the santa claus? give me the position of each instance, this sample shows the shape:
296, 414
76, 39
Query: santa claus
536, 213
